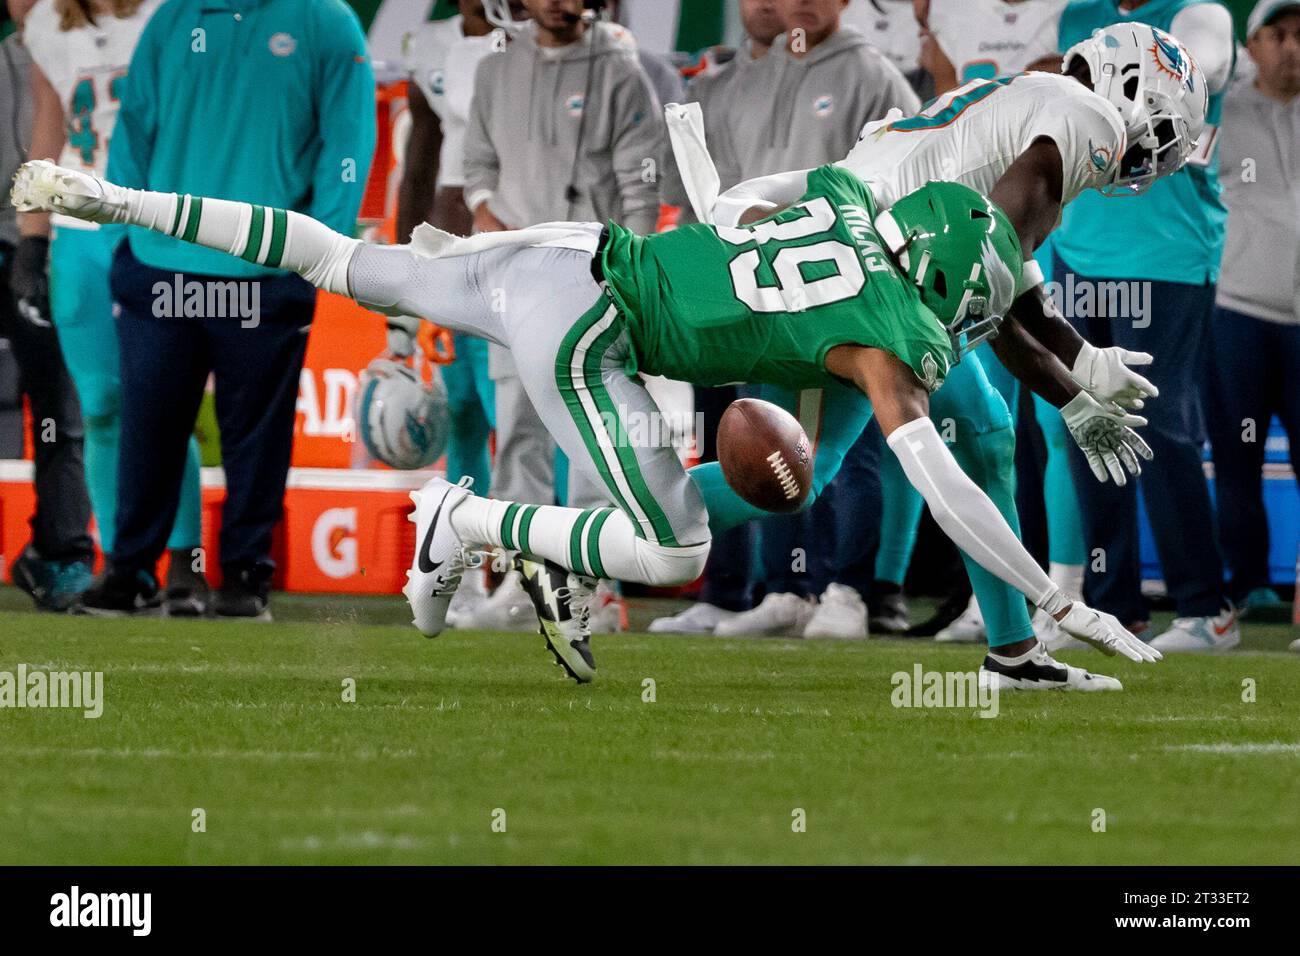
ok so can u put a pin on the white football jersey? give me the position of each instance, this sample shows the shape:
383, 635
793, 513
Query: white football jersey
891, 27
85, 66
442, 61
988, 38
974, 133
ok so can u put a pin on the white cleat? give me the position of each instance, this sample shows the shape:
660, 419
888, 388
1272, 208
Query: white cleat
1039, 671
777, 615
440, 555
700, 618
508, 608
1294, 646
41, 186
840, 613
967, 629
1201, 635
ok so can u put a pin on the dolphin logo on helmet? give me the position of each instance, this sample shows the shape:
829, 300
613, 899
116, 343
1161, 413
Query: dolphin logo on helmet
1152, 80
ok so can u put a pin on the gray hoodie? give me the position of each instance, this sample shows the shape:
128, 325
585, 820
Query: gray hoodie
797, 113
524, 125
15, 120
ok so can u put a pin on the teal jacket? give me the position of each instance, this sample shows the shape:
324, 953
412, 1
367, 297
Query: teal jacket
1175, 231
265, 101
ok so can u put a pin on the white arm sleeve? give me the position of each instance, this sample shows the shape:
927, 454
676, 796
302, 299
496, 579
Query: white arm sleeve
965, 513
1206, 30
766, 192
263, 235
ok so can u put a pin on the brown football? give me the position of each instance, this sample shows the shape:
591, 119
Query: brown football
765, 455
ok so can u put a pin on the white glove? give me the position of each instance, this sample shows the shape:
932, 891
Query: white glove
41, 186
1105, 632
1106, 373
1107, 438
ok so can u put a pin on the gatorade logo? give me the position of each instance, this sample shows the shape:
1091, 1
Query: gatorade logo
334, 543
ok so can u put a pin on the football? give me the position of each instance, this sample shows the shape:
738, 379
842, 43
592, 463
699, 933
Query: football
765, 455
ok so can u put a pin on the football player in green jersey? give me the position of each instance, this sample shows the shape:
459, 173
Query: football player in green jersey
825, 293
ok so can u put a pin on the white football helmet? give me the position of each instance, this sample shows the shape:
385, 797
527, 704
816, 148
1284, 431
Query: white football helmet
403, 422
1161, 95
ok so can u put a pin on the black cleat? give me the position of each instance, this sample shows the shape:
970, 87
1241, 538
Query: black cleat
245, 592
886, 609
120, 592
187, 593
563, 601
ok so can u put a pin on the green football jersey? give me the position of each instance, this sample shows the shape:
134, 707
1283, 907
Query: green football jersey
764, 303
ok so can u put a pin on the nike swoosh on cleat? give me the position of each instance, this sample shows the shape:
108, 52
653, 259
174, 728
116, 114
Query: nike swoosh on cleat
422, 559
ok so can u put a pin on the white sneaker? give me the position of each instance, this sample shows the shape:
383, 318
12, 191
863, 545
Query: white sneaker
700, 618
1051, 636
1040, 672
777, 615
608, 610
840, 613
967, 629
1201, 635
440, 555
469, 597
508, 609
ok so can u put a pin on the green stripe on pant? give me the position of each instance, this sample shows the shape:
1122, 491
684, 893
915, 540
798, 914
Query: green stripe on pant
603, 413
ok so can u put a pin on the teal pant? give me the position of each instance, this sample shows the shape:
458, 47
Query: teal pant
967, 411
471, 400
82, 308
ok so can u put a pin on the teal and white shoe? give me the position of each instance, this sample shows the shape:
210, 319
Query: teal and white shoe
563, 603
1201, 635
53, 585
1264, 600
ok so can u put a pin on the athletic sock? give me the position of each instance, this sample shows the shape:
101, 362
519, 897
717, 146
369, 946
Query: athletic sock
597, 542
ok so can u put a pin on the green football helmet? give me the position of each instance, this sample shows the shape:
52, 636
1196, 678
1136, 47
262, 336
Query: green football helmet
963, 254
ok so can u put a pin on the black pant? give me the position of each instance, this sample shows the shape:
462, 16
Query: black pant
1256, 375
1173, 484
59, 526
165, 366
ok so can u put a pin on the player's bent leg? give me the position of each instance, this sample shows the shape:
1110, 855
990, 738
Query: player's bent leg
989, 459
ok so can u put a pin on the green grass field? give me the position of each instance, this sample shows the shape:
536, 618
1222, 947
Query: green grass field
247, 722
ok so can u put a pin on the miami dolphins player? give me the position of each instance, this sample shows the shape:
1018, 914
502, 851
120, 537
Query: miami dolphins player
1032, 142
809, 297
80, 52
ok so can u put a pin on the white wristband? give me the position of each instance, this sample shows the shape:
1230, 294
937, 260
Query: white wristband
1031, 274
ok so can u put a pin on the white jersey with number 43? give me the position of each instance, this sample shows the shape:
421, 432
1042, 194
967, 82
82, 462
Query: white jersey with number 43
86, 67
974, 133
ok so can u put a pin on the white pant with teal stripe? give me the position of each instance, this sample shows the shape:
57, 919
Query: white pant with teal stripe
572, 352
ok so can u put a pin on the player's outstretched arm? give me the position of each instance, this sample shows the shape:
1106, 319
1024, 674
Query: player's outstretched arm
959, 506
275, 238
